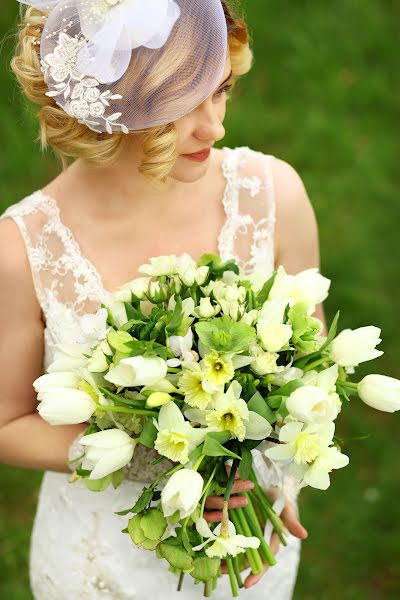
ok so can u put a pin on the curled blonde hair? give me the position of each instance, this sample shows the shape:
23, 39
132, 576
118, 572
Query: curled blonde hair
68, 138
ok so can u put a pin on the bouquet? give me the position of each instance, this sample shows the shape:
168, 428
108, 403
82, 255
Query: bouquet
206, 365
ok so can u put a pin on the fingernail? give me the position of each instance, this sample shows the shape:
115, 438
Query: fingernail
249, 485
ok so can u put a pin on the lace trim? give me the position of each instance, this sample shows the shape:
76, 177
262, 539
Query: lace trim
237, 222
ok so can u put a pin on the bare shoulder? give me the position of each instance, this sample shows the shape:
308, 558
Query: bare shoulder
17, 287
296, 235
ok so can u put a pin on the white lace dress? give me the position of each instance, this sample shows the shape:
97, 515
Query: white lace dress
77, 549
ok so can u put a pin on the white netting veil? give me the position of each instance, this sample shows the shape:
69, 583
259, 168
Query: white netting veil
124, 65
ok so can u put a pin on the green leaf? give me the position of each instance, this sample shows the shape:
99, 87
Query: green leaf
287, 389
263, 294
332, 332
186, 542
117, 478
205, 568
177, 315
141, 504
175, 555
246, 463
260, 406
213, 448
153, 524
118, 340
135, 530
149, 433
224, 335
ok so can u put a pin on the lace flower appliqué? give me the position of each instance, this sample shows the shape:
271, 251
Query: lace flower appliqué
85, 102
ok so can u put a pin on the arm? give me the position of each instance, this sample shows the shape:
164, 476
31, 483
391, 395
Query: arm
26, 440
296, 235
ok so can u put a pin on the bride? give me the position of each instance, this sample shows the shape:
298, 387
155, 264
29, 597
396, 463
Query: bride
139, 109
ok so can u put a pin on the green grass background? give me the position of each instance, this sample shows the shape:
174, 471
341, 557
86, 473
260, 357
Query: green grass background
323, 95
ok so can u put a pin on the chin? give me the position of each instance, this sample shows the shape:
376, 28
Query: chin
188, 171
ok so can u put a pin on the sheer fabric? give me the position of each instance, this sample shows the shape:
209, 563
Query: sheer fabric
77, 548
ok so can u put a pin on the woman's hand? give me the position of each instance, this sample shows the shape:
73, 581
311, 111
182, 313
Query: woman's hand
288, 516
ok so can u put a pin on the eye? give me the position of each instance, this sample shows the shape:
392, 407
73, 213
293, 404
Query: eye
224, 89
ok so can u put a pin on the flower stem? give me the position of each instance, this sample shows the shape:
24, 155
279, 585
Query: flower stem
231, 574
349, 384
252, 519
249, 551
125, 409
248, 533
208, 588
181, 576
228, 490
316, 363
236, 568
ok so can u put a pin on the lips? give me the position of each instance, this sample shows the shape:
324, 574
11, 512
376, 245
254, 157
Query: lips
203, 154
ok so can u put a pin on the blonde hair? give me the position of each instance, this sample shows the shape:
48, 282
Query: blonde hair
68, 138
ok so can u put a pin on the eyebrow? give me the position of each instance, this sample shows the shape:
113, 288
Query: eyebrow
229, 76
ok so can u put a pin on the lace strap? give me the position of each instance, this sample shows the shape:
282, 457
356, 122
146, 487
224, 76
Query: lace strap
249, 202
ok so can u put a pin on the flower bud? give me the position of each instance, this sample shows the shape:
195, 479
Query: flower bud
380, 392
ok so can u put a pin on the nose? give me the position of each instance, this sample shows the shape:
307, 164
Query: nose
209, 121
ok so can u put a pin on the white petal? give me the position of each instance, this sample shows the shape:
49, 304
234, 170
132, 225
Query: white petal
170, 417
112, 461
203, 528
281, 452
257, 428
109, 438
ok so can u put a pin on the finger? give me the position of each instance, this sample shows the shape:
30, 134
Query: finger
214, 516
253, 579
218, 502
228, 469
290, 519
242, 486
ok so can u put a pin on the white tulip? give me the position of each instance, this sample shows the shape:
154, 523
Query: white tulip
69, 357
307, 287
380, 392
138, 370
107, 451
312, 404
273, 311
65, 406
182, 492
118, 311
352, 347
56, 380
288, 374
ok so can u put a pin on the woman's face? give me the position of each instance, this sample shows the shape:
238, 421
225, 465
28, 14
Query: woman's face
200, 130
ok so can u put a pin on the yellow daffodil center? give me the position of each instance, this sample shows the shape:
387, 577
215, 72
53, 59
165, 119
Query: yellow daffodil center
218, 369
190, 383
173, 445
227, 420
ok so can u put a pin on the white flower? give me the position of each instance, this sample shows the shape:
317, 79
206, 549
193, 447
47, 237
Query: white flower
107, 451
188, 271
317, 475
118, 310
56, 380
62, 62
138, 287
97, 363
325, 379
79, 109
273, 311
288, 374
65, 406
181, 346
176, 437
69, 357
138, 370
182, 492
308, 448
300, 442
160, 265
232, 545
380, 392
206, 310
93, 327
308, 287
274, 337
352, 347
312, 404
92, 94
230, 413
265, 363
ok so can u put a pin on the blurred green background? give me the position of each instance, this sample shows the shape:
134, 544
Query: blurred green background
324, 96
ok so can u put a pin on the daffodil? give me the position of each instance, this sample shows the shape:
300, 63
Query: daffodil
219, 368
199, 391
231, 545
230, 413
176, 437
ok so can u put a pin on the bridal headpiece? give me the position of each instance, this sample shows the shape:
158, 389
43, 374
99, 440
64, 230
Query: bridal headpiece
124, 65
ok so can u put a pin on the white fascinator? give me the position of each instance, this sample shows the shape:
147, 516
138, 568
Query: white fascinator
124, 65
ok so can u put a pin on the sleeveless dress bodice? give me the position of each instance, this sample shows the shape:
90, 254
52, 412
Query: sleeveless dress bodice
77, 549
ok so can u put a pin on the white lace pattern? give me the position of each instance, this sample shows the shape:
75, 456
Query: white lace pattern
77, 548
